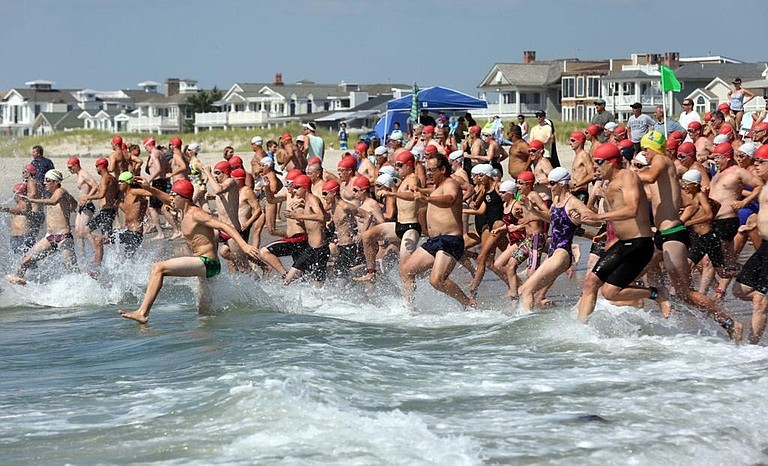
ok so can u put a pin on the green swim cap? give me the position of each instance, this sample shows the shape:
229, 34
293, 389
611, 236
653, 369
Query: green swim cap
126, 177
655, 141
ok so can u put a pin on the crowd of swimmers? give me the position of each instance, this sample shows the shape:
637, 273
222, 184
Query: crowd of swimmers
657, 207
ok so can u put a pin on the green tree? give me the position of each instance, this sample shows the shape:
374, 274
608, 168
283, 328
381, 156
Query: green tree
202, 102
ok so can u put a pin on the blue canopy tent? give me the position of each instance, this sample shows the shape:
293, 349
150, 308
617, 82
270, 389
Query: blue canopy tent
431, 98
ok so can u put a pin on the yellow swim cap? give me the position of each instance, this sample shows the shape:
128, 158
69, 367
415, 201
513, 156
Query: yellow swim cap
655, 141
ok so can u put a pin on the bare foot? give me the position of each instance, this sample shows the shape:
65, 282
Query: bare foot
664, 303
544, 303
176, 235
159, 236
15, 279
472, 304
135, 315
368, 277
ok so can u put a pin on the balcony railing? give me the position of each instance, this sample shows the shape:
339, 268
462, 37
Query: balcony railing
234, 118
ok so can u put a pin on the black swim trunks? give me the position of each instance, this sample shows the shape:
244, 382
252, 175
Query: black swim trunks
624, 261
292, 246
726, 228
402, 228
449, 244
131, 239
164, 185
706, 245
313, 262
103, 220
598, 247
677, 233
87, 207
350, 255
754, 273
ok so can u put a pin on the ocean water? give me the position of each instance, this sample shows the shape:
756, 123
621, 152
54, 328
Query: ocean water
301, 376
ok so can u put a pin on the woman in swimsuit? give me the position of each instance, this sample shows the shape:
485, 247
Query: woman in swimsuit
488, 216
564, 228
736, 97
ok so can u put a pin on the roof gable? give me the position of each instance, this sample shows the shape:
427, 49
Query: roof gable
536, 74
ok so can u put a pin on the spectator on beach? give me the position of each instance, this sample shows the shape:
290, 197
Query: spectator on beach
736, 98
688, 116
638, 124
671, 125
523, 126
343, 136
601, 118
42, 164
426, 119
315, 144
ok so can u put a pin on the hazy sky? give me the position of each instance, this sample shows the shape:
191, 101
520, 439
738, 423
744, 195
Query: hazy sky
111, 44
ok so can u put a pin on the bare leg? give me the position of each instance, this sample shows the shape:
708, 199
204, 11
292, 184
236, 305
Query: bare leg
546, 274
272, 260
204, 297
40, 250
419, 262
370, 240
154, 216
438, 278
177, 267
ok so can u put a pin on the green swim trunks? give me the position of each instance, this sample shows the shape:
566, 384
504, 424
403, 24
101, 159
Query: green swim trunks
212, 266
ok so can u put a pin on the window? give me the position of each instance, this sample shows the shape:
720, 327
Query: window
568, 91
628, 89
508, 98
580, 86
580, 112
326, 106
593, 86
701, 104
590, 112
536, 98
568, 113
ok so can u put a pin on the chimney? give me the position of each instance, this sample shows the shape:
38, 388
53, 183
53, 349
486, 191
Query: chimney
672, 59
171, 86
529, 56
278, 79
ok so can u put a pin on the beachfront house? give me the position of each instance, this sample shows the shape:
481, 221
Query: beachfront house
256, 105
21, 106
580, 87
707, 84
164, 113
522, 88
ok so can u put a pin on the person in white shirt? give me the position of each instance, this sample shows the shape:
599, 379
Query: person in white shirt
688, 116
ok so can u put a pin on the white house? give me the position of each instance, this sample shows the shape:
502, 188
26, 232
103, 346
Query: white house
252, 105
20, 107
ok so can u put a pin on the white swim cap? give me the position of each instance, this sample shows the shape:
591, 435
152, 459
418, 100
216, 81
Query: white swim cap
611, 126
719, 139
456, 155
389, 170
267, 162
642, 159
508, 186
748, 148
381, 150
692, 176
54, 175
386, 179
194, 147
396, 135
258, 140
482, 169
559, 175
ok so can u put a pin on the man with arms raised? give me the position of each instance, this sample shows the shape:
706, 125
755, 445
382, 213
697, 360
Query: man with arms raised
199, 230
445, 245
59, 206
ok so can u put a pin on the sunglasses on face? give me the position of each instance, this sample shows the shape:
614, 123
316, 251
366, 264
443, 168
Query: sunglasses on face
552, 183
760, 161
639, 166
49, 181
355, 190
325, 193
600, 162
532, 151
217, 172
344, 170
682, 156
431, 169
399, 164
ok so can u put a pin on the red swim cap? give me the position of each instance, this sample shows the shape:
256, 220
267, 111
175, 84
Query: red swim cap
176, 142
762, 152
536, 144
362, 183
313, 160
117, 141
724, 148
238, 173
73, 161
724, 107
286, 137
183, 188
625, 143
302, 181
526, 176
430, 150
725, 129
578, 135
20, 188
102, 162
593, 130
679, 135
236, 162
429, 129
607, 151
708, 116
405, 157
694, 125
30, 169
475, 130
292, 174
150, 141
672, 144
332, 186
348, 162
223, 167
687, 148
620, 129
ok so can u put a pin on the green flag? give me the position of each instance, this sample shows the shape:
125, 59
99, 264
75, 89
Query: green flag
668, 80
415, 104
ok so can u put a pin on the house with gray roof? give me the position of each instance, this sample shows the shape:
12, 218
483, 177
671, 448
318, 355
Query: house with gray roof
52, 122
255, 105
713, 80
21, 106
524, 87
